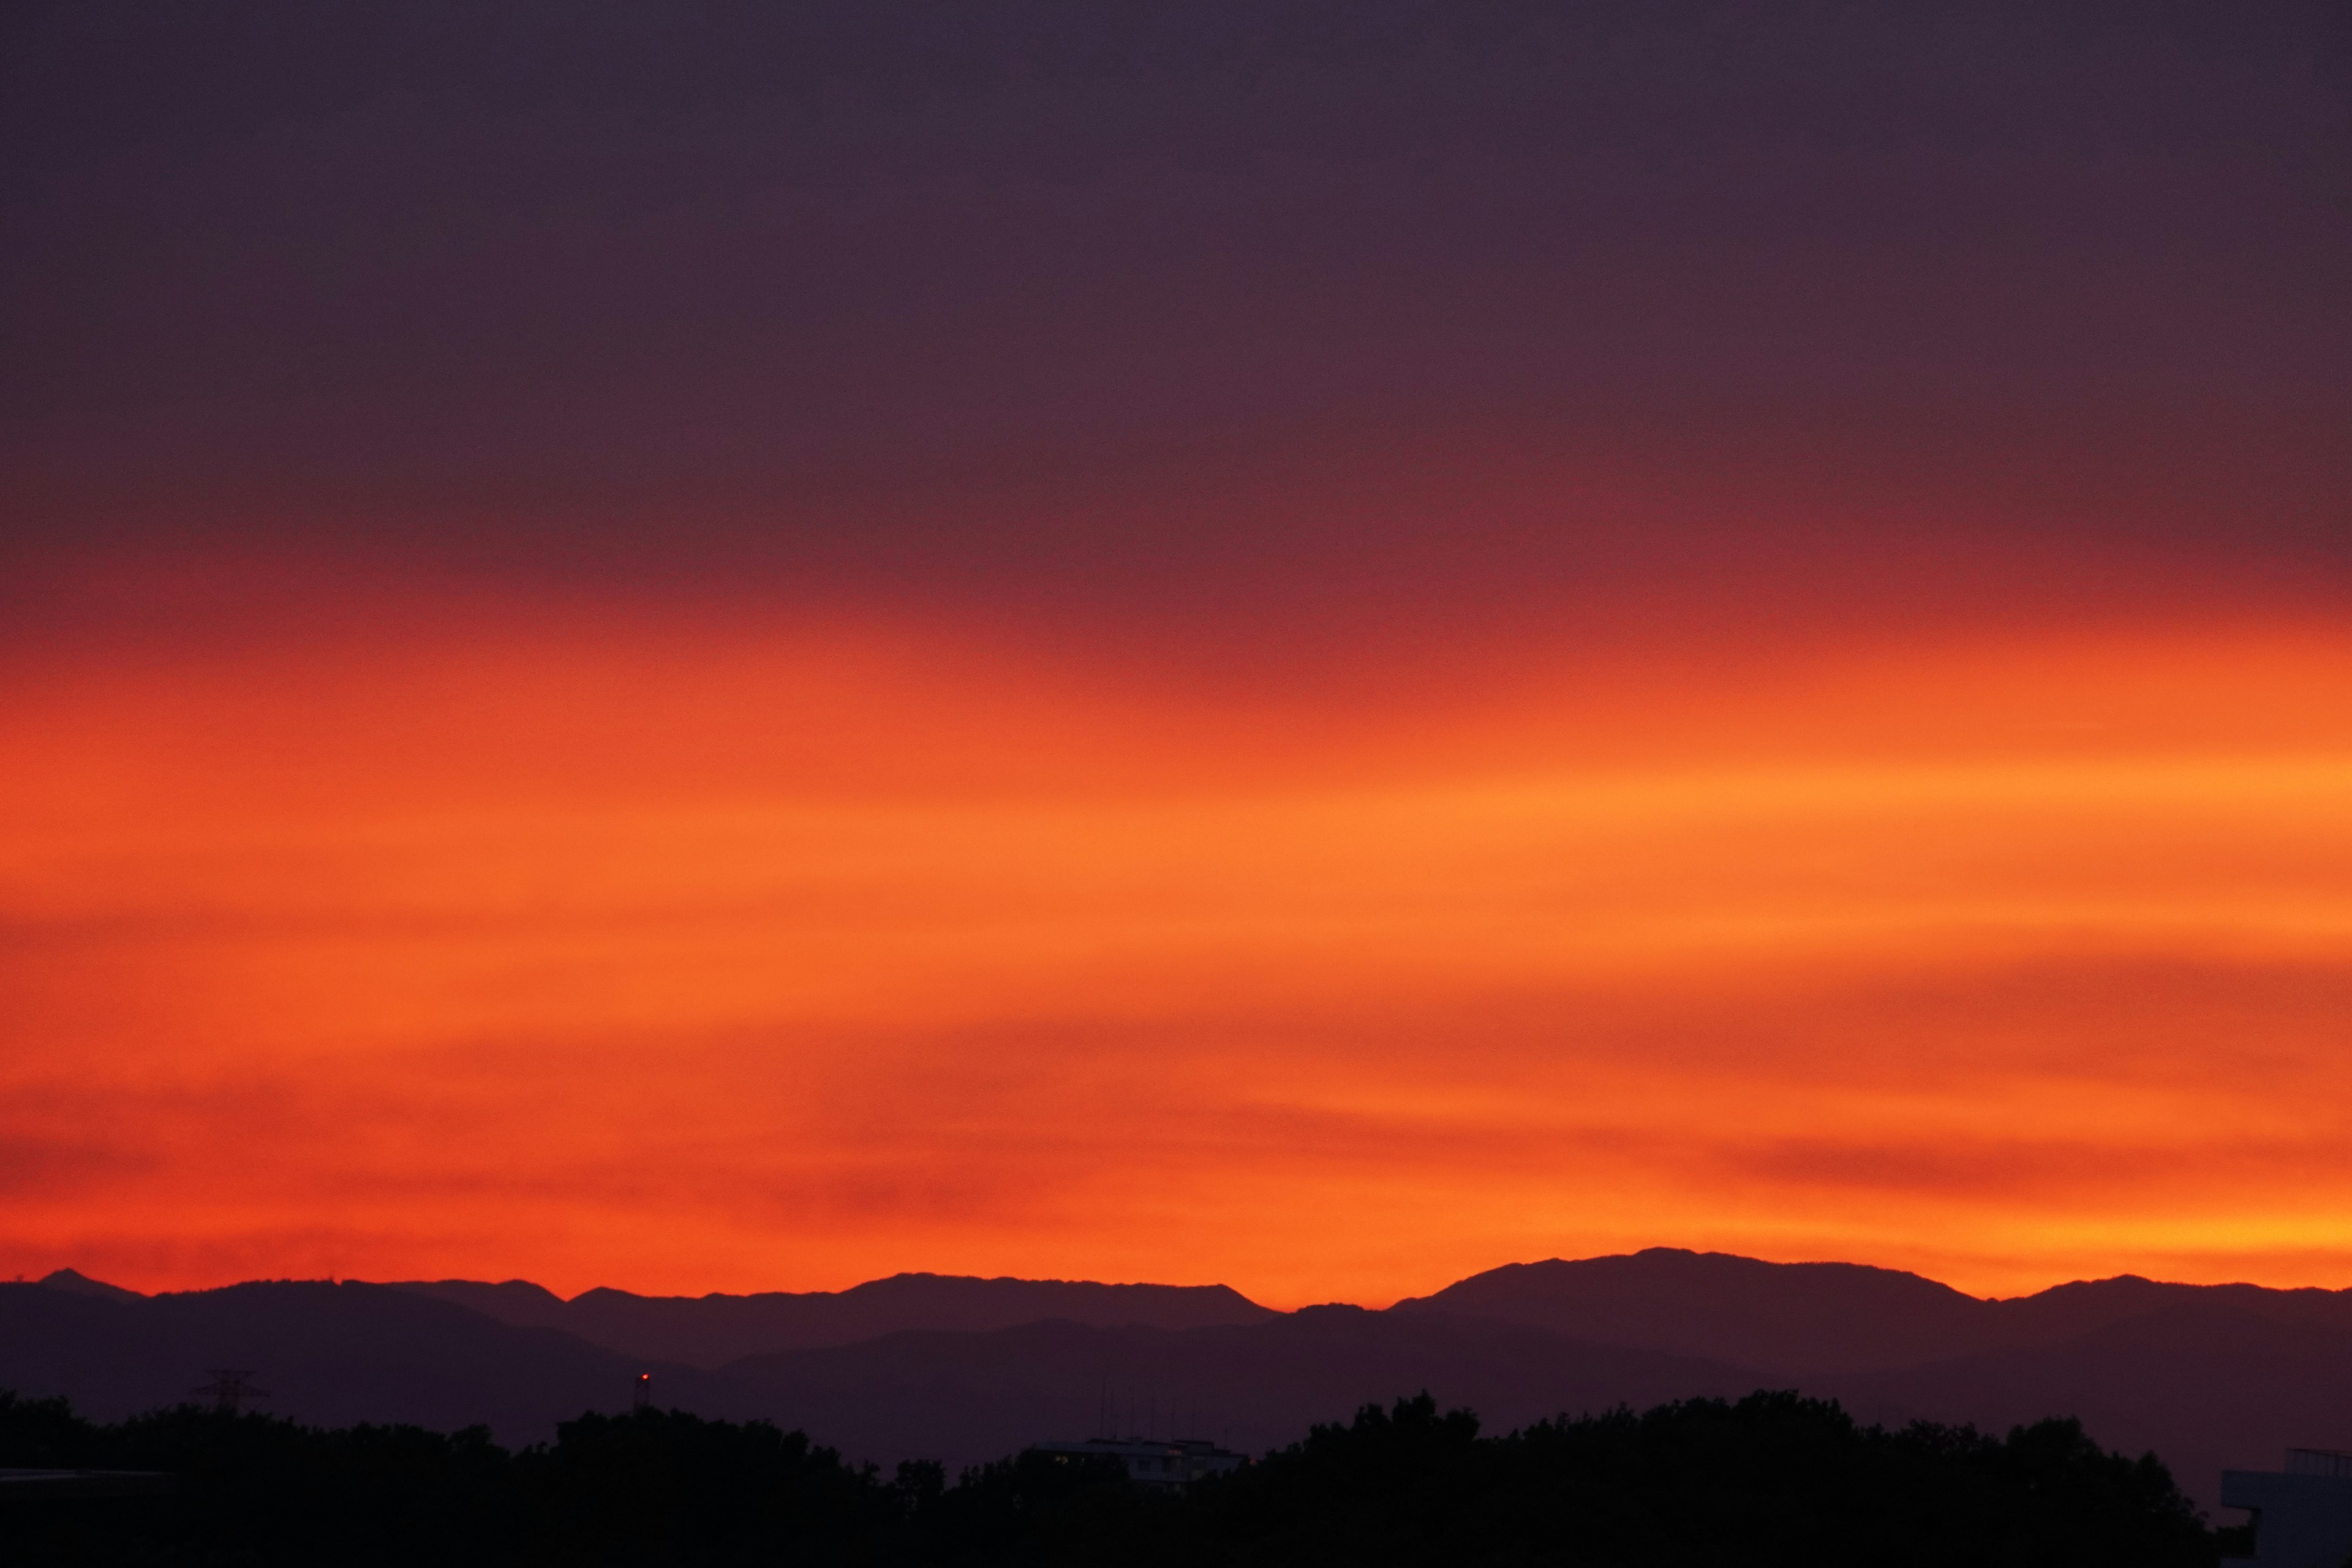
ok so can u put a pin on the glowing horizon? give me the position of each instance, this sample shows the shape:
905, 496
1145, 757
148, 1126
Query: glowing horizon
1310, 647
683, 960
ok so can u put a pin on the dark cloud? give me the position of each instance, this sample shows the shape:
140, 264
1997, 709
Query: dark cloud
897, 294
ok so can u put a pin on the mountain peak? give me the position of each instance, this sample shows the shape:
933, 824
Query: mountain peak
75, 1283
1777, 1319
712, 1330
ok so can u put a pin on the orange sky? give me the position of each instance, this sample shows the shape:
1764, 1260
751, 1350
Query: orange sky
742, 648
684, 953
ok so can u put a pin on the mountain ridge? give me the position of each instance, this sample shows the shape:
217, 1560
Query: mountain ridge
713, 1329
1787, 1319
1811, 1320
2206, 1377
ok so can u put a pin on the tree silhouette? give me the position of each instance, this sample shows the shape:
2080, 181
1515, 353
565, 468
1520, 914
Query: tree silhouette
1771, 1479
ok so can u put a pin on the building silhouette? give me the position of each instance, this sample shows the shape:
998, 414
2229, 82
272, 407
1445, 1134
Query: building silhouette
1169, 1463
2303, 1514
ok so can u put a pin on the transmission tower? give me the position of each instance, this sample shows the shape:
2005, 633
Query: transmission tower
229, 1390
642, 1396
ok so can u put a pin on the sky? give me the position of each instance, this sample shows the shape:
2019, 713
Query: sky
1318, 646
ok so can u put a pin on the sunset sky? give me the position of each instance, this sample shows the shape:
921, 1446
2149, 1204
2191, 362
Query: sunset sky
1311, 645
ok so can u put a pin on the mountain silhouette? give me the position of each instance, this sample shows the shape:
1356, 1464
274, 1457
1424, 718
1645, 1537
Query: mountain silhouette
330, 1354
1781, 1319
75, 1283
710, 1331
2087, 1305
924, 1366
1252, 1385
1802, 1319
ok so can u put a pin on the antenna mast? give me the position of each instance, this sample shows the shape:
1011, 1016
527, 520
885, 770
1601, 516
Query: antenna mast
229, 1389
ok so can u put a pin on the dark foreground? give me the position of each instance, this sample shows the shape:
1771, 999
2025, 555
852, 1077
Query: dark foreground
1773, 1478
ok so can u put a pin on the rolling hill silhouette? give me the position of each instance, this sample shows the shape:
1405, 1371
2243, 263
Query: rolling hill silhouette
710, 1331
2207, 1376
328, 1354
1798, 1318
1781, 1319
1252, 1385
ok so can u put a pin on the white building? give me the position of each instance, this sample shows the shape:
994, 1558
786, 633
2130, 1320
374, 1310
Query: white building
1171, 1463
2303, 1514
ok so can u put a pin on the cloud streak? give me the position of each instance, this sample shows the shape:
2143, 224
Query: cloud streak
709, 954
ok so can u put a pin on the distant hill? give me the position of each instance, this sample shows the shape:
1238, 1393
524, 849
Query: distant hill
1253, 1386
1803, 1319
342, 1354
326, 1354
75, 1283
964, 1369
2203, 1383
1780, 1319
2087, 1305
710, 1331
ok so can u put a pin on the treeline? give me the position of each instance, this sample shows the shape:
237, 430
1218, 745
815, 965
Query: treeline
1772, 1479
